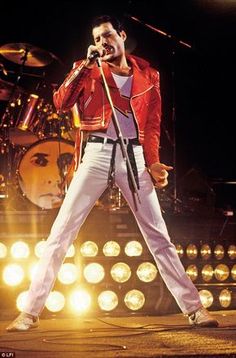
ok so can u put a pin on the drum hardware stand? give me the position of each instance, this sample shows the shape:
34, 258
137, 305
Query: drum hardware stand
6, 133
27, 74
116, 199
120, 137
174, 43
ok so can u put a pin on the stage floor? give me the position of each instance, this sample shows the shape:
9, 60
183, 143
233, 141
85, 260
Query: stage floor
133, 336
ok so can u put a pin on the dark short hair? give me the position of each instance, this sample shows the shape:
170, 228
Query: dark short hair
117, 25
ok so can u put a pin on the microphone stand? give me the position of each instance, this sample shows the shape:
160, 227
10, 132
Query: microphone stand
172, 141
120, 137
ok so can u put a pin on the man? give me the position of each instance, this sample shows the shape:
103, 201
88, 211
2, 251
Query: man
135, 91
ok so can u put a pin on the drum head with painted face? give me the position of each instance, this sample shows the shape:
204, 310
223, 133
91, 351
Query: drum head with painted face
42, 170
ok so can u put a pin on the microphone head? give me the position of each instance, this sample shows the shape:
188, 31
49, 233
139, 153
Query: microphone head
94, 55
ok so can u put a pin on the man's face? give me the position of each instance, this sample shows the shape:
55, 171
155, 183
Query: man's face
107, 38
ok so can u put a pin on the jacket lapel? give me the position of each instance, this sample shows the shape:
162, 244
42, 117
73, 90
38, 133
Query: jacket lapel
140, 83
107, 72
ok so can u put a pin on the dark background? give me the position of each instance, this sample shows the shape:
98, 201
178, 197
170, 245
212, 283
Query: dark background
202, 89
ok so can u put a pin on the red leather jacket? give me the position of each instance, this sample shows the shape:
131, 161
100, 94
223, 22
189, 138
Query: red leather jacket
84, 86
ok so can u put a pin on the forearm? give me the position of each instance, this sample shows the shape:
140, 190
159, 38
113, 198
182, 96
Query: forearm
67, 94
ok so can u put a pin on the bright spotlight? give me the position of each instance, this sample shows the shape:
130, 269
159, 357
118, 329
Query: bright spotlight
179, 250
192, 272
206, 298
221, 272
111, 248
146, 272
191, 251
3, 251
80, 301
120, 272
107, 300
219, 252
207, 273
205, 251
134, 300
233, 272
13, 274
20, 250
89, 249
133, 248
94, 272
231, 252
55, 301
68, 273
225, 298
21, 300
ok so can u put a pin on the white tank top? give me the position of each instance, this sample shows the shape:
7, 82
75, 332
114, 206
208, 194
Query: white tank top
124, 114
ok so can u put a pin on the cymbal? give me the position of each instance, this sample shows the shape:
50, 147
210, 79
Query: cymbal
33, 56
6, 89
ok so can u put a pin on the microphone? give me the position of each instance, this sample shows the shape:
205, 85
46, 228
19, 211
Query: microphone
93, 55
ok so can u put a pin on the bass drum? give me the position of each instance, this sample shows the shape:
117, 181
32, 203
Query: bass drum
43, 172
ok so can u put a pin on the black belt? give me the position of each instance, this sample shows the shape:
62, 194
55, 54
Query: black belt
129, 143
96, 139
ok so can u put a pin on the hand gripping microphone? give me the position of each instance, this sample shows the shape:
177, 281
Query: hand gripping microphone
93, 55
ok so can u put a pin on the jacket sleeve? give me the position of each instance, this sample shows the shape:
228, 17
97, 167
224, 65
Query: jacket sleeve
153, 123
67, 94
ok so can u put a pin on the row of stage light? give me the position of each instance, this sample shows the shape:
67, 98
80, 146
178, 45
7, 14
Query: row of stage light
115, 277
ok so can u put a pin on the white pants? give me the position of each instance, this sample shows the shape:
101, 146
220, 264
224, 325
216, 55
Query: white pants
87, 185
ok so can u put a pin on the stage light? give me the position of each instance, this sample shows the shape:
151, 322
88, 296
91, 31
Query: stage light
111, 248
219, 252
133, 248
232, 252
179, 250
192, 272
71, 251
221, 272
225, 298
191, 251
3, 251
20, 250
89, 249
107, 300
68, 273
205, 251
146, 272
206, 298
207, 273
80, 301
21, 300
120, 272
13, 274
55, 301
233, 272
94, 272
134, 300
116, 273
39, 248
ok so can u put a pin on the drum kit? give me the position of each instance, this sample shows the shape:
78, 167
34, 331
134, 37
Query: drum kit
36, 143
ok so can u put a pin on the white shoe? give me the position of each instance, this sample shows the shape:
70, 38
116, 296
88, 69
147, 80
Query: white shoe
23, 322
202, 318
